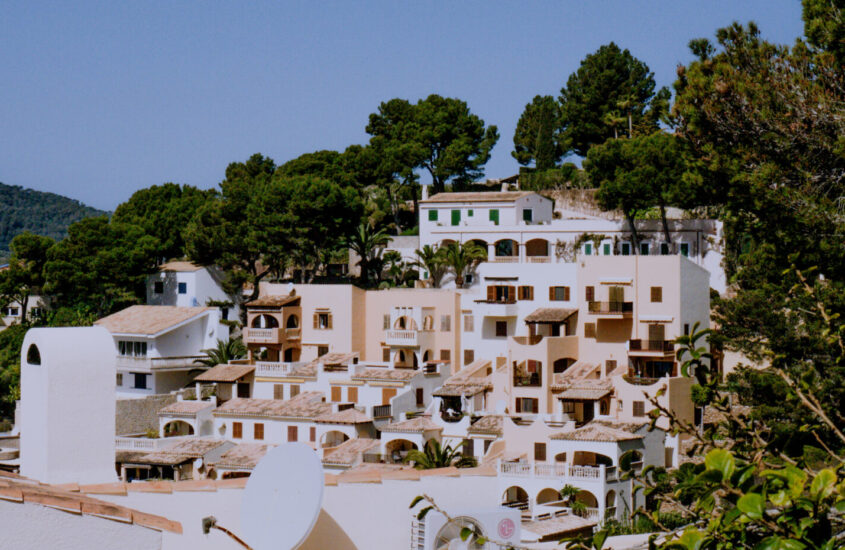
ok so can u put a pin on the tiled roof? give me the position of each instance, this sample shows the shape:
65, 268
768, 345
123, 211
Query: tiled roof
347, 416
479, 196
187, 408
305, 405
17, 489
394, 375
275, 300
458, 390
180, 266
417, 424
487, 424
348, 452
465, 381
149, 320
225, 373
557, 527
181, 452
337, 358
602, 430
587, 394
550, 315
577, 372
243, 456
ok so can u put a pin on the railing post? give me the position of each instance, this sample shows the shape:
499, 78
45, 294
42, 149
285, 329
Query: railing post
602, 474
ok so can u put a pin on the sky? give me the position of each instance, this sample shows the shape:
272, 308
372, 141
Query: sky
100, 99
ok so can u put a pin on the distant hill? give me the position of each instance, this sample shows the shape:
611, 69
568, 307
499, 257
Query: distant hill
39, 212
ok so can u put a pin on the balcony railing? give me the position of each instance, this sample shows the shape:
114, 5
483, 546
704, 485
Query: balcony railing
532, 379
270, 368
560, 470
661, 346
263, 335
538, 259
158, 363
382, 411
505, 259
601, 308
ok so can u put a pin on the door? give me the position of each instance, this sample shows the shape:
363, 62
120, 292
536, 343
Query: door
656, 335
617, 294
243, 390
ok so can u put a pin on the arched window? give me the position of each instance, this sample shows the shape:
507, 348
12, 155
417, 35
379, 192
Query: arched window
33, 356
292, 322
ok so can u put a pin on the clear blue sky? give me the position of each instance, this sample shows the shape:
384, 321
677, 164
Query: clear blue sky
100, 99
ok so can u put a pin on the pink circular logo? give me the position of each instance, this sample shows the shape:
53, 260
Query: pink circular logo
506, 528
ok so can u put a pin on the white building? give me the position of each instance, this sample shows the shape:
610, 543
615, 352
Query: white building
186, 284
156, 347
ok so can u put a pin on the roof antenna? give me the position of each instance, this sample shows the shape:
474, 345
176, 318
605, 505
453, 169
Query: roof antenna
210, 523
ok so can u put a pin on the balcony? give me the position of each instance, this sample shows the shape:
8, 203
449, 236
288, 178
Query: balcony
273, 369
149, 364
271, 335
561, 470
382, 412
497, 308
527, 380
651, 347
504, 259
611, 309
408, 338
538, 259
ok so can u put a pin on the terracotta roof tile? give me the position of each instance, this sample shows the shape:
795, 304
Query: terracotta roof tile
185, 408
274, 301
393, 375
180, 266
149, 320
225, 373
349, 452
602, 430
242, 456
415, 425
304, 405
488, 424
346, 416
479, 196
550, 315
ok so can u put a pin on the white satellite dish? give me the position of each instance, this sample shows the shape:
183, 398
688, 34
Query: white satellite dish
283, 498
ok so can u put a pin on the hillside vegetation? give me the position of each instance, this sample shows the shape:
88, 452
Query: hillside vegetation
41, 213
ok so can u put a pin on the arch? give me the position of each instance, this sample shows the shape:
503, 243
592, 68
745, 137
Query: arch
265, 321
291, 355
177, 428
33, 356
560, 365
427, 356
548, 495
586, 458
428, 322
405, 358
405, 323
507, 248
446, 242
588, 498
332, 438
610, 499
560, 457
515, 496
292, 321
537, 247
397, 449
483, 244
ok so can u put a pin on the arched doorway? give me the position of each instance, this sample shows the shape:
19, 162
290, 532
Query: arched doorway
395, 451
265, 321
506, 248
483, 244
291, 355
178, 428
292, 322
405, 323
537, 248
548, 495
515, 497
332, 439
405, 359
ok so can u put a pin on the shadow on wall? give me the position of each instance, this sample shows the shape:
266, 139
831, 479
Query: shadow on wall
327, 534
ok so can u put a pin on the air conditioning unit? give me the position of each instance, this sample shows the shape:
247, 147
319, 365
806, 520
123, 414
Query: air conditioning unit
498, 525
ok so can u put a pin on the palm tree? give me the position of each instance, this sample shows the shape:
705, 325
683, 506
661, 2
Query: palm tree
368, 243
435, 456
224, 353
614, 120
568, 494
430, 259
462, 257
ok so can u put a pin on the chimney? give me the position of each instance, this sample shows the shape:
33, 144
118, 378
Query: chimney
425, 187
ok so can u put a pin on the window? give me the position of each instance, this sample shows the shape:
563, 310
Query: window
468, 447
445, 355
120, 379
568, 407
539, 452
352, 395
420, 395
469, 213
527, 405
590, 293
294, 390
501, 329
469, 356
432, 215
686, 329
293, 434
469, 323
588, 249
644, 249
468, 279
322, 350
664, 249
559, 293
445, 323
140, 381
224, 313
639, 408
243, 390
337, 394
527, 215
323, 320
606, 249
132, 349
525, 293
278, 391
656, 294
237, 430
158, 287
386, 323
610, 365
494, 216
183, 288
626, 249
385, 355
501, 293
456, 217
604, 407
487, 443
258, 431
11, 311
685, 250
312, 434
589, 330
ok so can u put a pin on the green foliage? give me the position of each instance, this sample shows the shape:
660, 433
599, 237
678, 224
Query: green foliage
431, 260
368, 243
163, 212
25, 275
225, 352
461, 258
436, 134
566, 176
435, 456
37, 212
535, 140
11, 340
609, 81
824, 26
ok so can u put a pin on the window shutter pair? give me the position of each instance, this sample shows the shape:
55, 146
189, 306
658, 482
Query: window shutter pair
258, 431
386, 324
491, 293
445, 323
337, 395
590, 330
237, 430
352, 394
511, 294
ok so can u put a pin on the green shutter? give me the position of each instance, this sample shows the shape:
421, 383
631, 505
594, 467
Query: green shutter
432, 215
456, 217
494, 216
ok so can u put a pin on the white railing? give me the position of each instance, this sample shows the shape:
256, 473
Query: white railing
515, 468
133, 363
555, 470
402, 337
139, 443
505, 259
538, 259
550, 470
269, 368
266, 335
175, 362
585, 472
592, 513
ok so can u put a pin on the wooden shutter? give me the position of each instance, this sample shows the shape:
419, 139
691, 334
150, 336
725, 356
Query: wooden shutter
469, 356
294, 390
386, 324
551, 294
491, 293
617, 294
511, 290
337, 394
519, 404
385, 355
656, 332
566, 293
352, 394
639, 408
446, 355
530, 292
387, 394
590, 294
312, 434
258, 431
292, 433
657, 294
237, 430
539, 452
590, 330
278, 391
329, 323
316, 320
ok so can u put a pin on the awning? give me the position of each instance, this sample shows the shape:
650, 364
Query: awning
550, 315
585, 394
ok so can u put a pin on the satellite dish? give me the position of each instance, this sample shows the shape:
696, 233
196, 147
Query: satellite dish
283, 497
